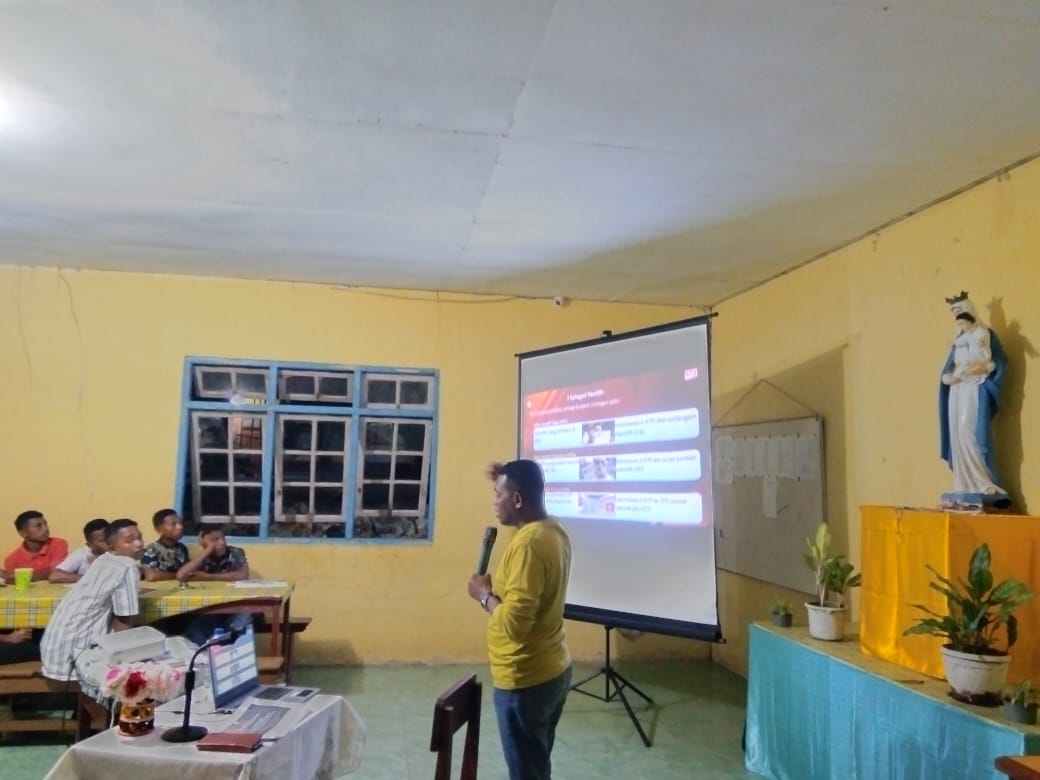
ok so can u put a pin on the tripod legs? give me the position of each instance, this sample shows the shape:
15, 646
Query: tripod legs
612, 677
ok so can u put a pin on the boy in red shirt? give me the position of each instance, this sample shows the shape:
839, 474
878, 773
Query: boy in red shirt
38, 551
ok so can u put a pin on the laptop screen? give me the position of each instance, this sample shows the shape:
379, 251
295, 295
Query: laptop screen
232, 669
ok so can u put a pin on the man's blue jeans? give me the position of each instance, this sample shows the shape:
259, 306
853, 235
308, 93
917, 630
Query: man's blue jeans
527, 721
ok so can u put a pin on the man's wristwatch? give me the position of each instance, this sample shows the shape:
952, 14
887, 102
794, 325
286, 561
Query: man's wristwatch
484, 601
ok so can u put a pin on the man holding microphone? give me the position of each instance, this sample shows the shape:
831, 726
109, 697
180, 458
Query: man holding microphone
530, 664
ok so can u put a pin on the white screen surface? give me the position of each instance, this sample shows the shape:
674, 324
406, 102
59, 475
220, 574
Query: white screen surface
622, 432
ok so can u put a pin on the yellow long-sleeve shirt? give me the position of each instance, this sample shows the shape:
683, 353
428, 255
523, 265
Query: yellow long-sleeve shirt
525, 636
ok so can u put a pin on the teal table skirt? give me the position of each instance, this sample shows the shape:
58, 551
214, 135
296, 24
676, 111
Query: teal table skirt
824, 710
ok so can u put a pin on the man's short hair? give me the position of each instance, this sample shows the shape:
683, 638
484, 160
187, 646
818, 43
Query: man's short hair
160, 517
116, 526
97, 524
527, 479
212, 529
25, 518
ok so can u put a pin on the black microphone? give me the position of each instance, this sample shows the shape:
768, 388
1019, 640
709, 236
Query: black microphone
490, 534
186, 732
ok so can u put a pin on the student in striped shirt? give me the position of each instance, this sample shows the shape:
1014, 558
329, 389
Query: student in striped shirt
104, 600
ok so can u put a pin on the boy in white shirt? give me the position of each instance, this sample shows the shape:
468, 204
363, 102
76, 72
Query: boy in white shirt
103, 600
78, 561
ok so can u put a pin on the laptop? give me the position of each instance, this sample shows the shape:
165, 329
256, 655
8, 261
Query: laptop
234, 677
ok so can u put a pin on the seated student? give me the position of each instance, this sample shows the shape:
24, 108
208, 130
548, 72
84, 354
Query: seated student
77, 563
219, 561
38, 550
164, 557
103, 600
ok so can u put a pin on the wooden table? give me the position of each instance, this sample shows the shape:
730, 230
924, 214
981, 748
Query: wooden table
1020, 767
33, 608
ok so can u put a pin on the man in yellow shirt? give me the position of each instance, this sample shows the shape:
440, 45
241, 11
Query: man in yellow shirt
530, 664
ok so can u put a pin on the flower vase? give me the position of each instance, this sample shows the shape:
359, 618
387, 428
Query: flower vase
136, 720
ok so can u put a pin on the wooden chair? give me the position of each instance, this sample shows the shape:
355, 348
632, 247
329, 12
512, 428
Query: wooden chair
26, 678
1020, 767
290, 628
457, 707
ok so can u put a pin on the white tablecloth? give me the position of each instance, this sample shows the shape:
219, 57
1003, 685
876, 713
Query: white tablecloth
327, 744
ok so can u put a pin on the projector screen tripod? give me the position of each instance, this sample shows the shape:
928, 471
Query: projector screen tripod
612, 676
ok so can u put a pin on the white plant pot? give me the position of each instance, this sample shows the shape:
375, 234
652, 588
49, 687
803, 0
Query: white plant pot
972, 675
827, 622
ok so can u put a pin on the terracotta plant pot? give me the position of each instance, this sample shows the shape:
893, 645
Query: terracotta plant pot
827, 623
136, 720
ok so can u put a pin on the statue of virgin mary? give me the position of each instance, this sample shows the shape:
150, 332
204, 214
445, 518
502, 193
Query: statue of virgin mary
968, 397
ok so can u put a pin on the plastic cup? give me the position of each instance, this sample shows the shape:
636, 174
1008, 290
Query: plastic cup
22, 578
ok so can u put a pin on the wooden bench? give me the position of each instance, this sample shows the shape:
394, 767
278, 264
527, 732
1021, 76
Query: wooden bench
271, 668
26, 678
292, 627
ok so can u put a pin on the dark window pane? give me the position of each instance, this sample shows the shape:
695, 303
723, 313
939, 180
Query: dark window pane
406, 496
379, 436
411, 437
333, 386
375, 496
296, 435
213, 433
213, 467
408, 467
296, 468
216, 381
328, 501
247, 501
241, 529
377, 467
247, 468
247, 433
215, 500
299, 385
329, 468
254, 384
332, 435
415, 393
381, 391
296, 501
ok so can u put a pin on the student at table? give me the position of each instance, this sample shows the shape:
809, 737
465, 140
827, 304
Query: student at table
78, 561
38, 551
103, 600
219, 561
164, 557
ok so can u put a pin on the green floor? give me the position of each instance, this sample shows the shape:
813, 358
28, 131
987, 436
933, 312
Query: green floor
696, 727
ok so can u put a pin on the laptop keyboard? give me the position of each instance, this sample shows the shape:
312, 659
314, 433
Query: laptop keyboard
275, 692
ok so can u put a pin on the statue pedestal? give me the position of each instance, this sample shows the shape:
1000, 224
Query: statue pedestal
898, 542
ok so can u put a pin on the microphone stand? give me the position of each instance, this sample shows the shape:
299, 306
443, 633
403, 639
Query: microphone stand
186, 732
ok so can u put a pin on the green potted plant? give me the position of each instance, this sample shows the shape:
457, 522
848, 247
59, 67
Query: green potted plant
781, 613
975, 666
1021, 704
834, 576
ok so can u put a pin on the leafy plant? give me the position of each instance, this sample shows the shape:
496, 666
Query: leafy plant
834, 574
976, 609
1023, 695
781, 607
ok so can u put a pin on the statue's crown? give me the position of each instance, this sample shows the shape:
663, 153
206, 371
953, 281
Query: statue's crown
958, 298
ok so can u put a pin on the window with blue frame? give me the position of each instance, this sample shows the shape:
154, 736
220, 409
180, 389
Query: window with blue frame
291, 450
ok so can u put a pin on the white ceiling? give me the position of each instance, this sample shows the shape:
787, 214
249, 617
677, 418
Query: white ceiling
650, 150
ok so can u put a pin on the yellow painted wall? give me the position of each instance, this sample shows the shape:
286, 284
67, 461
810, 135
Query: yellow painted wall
90, 391
861, 335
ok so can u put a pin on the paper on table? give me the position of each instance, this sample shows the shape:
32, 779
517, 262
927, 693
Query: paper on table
769, 497
260, 584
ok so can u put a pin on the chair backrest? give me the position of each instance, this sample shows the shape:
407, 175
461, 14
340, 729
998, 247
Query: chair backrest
457, 707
